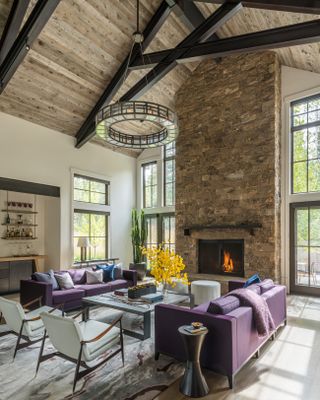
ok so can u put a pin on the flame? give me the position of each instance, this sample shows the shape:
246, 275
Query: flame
227, 262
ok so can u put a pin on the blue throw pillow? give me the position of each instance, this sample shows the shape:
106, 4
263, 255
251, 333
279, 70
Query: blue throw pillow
253, 279
108, 272
47, 277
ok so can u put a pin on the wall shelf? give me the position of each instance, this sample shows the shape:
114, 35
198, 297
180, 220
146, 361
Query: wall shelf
19, 238
18, 225
247, 226
19, 211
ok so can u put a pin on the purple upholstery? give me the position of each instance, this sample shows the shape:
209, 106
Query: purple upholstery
266, 285
232, 339
72, 298
255, 288
64, 296
223, 305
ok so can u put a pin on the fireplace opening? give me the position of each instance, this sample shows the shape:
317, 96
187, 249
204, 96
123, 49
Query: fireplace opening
221, 257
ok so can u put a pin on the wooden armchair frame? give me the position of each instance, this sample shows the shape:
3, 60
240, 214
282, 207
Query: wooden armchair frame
79, 363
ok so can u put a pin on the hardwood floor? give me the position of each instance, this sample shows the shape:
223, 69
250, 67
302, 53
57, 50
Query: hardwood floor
288, 368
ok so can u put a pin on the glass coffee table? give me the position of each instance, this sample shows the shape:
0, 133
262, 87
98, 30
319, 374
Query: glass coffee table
137, 307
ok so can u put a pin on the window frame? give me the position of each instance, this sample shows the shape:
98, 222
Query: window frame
160, 218
92, 179
143, 166
94, 212
166, 159
298, 128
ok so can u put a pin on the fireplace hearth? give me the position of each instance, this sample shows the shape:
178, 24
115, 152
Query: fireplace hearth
221, 257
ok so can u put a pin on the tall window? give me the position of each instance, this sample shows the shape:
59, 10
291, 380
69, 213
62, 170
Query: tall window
169, 174
305, 131
90, 217
161, 230
150, 185
94, 226
90, 190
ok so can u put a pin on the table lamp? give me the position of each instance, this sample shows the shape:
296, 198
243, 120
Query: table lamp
83, 243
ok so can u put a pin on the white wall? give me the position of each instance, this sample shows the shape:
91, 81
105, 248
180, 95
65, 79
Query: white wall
37, 154
296, 84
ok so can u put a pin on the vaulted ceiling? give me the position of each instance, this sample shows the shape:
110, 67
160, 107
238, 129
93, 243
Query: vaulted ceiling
84, 43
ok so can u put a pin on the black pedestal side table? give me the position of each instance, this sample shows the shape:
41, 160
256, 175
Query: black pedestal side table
193, 383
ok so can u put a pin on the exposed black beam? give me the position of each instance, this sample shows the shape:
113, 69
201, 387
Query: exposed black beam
39, 16
12, 26
87, 130
306, 32
200, 34
297, 6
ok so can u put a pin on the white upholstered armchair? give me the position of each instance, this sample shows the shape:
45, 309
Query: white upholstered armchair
27, 325
81, 342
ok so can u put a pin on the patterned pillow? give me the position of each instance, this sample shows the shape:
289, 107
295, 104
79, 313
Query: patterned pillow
64, 281
94, 277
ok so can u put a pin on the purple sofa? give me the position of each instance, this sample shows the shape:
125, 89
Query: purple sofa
232, 339
72, 298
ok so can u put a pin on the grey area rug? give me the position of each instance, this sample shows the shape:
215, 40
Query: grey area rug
142, 378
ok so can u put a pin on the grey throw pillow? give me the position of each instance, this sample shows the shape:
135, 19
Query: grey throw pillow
117, 271
94, 276
64, 281
47, 277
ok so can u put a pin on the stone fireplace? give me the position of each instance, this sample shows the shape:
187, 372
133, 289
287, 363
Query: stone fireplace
221, 257
228, 166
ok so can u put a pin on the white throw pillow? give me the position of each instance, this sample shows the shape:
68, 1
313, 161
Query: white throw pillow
94, 277
65, 281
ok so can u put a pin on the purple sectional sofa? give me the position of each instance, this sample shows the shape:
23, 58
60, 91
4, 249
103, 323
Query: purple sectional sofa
232, 339
72, 298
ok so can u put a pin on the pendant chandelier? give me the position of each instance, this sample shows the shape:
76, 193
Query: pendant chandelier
163, 120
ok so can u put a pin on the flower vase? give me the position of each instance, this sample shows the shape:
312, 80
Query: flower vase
164, 289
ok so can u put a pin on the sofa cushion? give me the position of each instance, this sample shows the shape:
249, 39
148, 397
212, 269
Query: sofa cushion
202, 307
223, 305
64, 281
47, 277
108, 271
78, 275
64, 296
266, 285
117, 271
255, 288
94, 289
118, 284
253, 279
94, 277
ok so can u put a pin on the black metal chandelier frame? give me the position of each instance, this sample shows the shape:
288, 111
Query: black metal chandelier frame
109, 116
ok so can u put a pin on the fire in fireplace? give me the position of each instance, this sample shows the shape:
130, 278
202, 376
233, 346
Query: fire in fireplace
221, 257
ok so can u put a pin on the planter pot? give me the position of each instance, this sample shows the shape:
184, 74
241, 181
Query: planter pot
141, 269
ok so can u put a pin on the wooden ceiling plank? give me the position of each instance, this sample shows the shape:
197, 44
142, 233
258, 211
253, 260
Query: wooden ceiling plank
296, 6
291, 35
87, 130
31, 29
12, 27
203, 32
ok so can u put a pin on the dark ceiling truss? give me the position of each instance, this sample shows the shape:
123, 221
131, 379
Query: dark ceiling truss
38, 18
191, 16
17, 13
199, 35
298, 34
297, 6
87, 130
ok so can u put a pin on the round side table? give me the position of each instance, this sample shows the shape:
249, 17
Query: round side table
193, 383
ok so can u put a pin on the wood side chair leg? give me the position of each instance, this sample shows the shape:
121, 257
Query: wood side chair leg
41, 351
18, 340
77, 370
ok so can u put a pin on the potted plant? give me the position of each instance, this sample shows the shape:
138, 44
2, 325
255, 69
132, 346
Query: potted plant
138, 236
165, 266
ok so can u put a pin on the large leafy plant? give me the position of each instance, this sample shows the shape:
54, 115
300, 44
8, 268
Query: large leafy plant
139, 234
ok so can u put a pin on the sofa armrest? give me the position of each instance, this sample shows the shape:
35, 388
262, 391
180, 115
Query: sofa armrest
219, 350
130, 275
30, 289
233, 285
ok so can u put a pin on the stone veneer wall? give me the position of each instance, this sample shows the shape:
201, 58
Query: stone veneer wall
228, 158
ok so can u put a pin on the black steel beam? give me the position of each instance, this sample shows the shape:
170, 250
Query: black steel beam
292, 35
200, 34
39, 16
12, 26
87, 130
297, 6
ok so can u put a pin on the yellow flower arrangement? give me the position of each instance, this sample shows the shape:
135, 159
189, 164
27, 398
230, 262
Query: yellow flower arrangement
165, 265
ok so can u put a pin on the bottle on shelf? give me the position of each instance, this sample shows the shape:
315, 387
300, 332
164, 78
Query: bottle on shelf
8, 220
